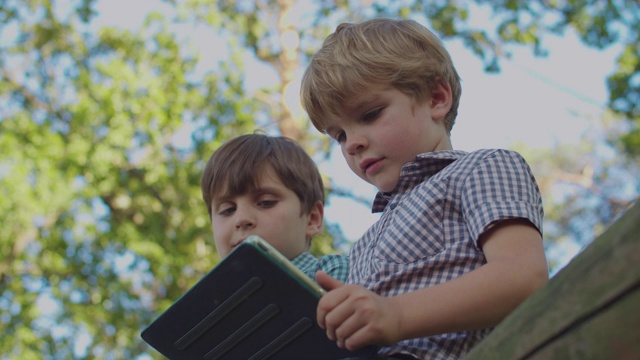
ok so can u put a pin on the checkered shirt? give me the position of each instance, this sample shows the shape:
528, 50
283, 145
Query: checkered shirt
335, 265
430, 225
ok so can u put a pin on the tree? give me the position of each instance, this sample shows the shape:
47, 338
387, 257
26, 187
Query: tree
103, 225
96, 195
585, 187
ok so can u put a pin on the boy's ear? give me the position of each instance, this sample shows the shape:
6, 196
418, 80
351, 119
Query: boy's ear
316, 217
441, 100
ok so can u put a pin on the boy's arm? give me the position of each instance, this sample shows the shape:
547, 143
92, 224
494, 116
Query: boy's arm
516, 267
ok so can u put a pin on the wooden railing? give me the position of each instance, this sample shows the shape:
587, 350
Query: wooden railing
588, 310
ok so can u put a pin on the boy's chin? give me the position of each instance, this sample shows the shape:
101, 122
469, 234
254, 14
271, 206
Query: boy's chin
384, 187
371, 181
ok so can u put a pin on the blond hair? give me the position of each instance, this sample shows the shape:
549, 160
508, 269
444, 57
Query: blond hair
378, 52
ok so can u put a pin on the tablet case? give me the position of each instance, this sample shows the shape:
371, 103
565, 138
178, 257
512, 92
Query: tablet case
247, 307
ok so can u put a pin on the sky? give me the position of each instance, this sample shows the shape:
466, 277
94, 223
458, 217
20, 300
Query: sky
533, 101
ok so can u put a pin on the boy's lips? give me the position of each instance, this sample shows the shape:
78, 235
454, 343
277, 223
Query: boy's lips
368, 163
238, 242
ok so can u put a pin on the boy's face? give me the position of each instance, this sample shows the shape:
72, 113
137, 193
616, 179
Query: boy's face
384, 129
271, 211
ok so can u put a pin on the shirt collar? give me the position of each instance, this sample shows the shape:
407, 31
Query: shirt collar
412, 173
303, 260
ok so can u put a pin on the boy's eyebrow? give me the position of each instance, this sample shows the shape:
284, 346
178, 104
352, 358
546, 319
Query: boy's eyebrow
222, 196
352, 109
253, 191
264, 189
217, 200
364, 100
331, 130
360, 103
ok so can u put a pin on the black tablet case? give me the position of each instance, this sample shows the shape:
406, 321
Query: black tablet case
247, 307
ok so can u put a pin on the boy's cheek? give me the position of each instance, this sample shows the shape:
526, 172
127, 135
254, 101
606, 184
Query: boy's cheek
222, 249
353, 164
218, 239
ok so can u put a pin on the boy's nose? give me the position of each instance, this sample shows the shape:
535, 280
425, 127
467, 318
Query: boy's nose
355, 144
244, 221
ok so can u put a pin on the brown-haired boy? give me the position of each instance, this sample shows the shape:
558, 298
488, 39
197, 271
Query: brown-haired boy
268, 186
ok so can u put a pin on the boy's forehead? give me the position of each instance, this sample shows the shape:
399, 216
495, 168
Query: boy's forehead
361, 101
348, 111
235, 187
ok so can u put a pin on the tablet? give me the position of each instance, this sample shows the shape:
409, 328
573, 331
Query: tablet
253, 305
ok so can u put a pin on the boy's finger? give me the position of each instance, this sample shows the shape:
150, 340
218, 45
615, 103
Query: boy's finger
326, 281
328, 301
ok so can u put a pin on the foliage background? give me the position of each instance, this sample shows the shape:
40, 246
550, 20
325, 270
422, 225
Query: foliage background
103, 226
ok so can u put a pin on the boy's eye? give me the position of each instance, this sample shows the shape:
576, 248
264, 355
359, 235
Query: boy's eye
267, 203
226, 210
340, 136
371, 115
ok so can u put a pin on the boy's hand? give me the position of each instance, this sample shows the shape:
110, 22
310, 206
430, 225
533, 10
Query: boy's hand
354, 316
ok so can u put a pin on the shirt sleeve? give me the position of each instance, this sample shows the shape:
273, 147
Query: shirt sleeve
501, 187
335, 265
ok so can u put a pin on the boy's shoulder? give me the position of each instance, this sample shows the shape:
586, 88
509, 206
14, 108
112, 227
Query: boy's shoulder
463, 161
335, 265
453, 155
481, 168
485, 153
492, 163
458, 170
496, 157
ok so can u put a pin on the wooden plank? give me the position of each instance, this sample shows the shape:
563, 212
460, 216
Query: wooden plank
605, 336
594, 288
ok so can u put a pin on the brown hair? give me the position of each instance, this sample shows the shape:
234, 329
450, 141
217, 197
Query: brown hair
238, 165
378, 52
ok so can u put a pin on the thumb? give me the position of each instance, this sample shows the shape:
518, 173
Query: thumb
326, 281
